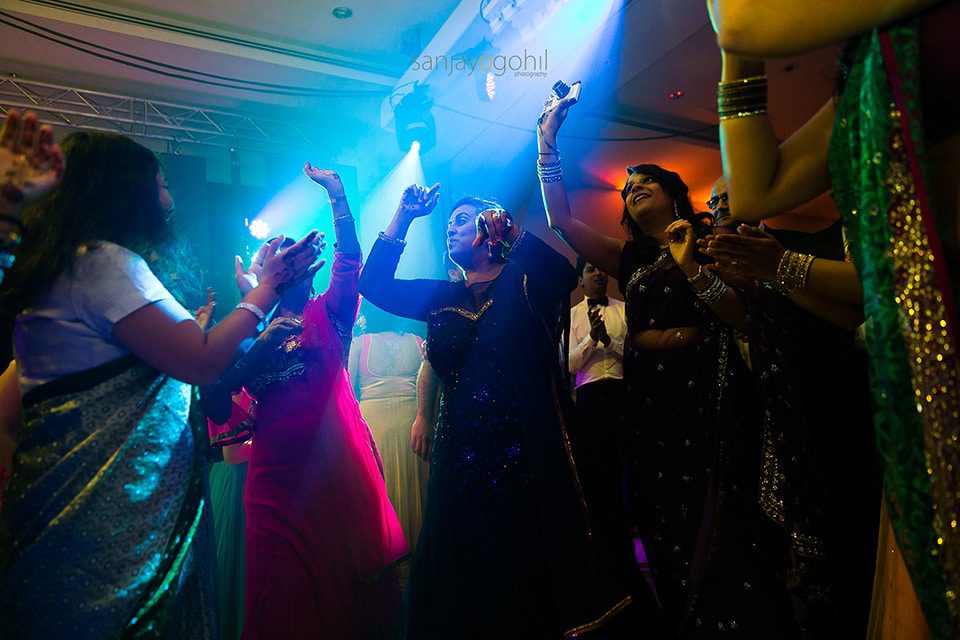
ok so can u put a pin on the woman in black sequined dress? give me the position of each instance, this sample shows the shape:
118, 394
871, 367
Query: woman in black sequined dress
506, 549
691, 439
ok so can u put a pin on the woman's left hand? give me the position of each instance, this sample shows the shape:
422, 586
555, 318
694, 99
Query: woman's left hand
683, 243
326, 178
204, 314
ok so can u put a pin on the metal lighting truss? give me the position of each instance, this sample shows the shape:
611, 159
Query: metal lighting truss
176, 124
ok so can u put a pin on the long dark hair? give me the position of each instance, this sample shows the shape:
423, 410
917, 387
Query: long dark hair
677, 189
109, 192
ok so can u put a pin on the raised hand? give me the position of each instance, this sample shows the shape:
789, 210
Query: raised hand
326, 178
750, 252
292, 265
418, 201
248, 279
204, 314
683, 243
548, 125
31, 164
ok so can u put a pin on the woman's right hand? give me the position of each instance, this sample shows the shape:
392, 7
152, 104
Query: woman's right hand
550, 121
292, 265
418, 201
421, 437
31, 164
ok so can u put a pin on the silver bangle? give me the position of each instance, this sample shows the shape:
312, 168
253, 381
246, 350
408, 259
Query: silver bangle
550, 171
397, 242
343, 218
254, 309
713, 293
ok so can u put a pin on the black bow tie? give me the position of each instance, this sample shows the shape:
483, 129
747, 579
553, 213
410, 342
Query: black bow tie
604, 301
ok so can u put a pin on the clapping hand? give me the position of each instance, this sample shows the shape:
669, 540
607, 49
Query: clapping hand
682, 241
751, 252
292, 265
248, 279
418, 201
598, 329
31, 164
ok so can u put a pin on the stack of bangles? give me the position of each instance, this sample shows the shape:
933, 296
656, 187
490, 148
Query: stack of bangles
715, 290
10, 239
550, 171
792, 271
742, 98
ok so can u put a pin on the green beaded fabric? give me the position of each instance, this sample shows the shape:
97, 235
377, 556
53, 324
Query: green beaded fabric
877, 175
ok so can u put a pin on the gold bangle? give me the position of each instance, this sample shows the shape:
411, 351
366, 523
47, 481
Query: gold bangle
742, 81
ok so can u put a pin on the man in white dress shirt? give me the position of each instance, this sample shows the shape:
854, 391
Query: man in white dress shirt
598, 327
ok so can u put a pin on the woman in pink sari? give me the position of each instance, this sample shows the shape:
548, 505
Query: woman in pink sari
322, 537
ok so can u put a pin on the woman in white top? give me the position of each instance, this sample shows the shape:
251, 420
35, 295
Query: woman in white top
103, 530
383, 367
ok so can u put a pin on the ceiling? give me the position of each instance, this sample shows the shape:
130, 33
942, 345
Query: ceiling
295, 63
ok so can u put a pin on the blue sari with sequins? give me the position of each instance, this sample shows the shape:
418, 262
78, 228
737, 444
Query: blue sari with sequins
104, 531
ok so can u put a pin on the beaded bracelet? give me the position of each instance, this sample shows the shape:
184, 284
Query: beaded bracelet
254, 309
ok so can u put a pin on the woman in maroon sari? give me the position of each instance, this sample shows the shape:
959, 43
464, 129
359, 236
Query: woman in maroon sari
322, 538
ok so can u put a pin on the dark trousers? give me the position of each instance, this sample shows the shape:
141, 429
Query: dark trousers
600, 422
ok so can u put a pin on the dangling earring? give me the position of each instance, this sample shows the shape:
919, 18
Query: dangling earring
676, 212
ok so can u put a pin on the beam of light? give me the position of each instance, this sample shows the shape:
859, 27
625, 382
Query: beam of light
294, 211
378, 207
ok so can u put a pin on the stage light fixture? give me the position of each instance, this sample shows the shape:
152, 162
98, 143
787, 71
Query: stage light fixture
414, 121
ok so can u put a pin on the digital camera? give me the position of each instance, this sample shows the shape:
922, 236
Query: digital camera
560, 91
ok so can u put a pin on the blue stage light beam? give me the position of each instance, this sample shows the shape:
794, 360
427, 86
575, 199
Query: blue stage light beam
378, 207
295, 210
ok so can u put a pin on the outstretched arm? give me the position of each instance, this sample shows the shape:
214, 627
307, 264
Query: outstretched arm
778, 28
754, 253
167, 337
765, 178
378, 281
598, 249
341, 296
